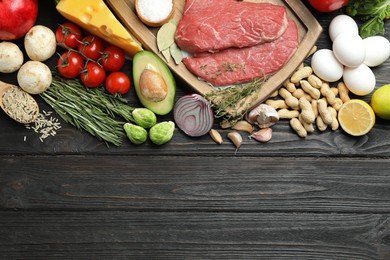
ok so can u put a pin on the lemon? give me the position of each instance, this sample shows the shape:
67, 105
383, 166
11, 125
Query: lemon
380, 102
356, 117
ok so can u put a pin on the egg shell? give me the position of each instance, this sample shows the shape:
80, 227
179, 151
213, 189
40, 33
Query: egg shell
377, 50
349, 49
342, 23
360, 80
326, 66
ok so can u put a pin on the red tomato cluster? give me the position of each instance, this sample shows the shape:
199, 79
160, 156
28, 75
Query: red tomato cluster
87, 57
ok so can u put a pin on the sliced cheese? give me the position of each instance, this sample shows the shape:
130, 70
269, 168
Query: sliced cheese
95, 17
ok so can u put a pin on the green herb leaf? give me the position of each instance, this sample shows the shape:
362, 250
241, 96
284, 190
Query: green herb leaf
89, 109
372, 13
225, 101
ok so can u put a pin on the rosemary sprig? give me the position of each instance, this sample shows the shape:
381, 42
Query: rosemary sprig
225, 101
90, 109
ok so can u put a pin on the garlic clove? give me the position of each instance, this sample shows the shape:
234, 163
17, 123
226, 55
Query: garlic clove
263, 135
243, 125
236, 139
216, 136
251, 116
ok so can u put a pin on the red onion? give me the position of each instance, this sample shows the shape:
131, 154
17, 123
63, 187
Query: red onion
193, 115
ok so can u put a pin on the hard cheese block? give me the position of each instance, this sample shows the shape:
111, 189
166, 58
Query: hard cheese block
95, 17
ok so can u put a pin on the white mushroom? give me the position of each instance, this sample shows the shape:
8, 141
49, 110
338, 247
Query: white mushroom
40, 43
34, 77
11, 57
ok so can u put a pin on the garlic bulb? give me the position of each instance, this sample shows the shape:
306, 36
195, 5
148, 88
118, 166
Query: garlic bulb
263, 115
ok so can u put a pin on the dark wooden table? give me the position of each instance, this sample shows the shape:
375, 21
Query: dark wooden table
72, 197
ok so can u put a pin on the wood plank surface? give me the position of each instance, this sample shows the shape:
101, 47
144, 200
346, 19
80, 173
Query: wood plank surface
72, 197
183, 235
178, 183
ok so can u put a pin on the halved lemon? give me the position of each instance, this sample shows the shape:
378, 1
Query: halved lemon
356, 117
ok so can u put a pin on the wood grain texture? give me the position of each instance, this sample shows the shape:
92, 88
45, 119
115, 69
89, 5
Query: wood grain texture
195, 236
171, 183
182, 235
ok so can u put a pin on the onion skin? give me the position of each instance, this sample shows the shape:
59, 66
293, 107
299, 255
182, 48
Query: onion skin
193, 115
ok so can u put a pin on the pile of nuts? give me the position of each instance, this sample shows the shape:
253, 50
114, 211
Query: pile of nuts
307, 101
304, 99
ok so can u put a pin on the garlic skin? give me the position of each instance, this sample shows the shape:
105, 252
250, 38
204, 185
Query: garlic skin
263, 135
263, 115
251, 116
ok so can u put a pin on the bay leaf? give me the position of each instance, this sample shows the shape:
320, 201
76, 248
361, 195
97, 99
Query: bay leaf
176, 53
167, 54
166, 36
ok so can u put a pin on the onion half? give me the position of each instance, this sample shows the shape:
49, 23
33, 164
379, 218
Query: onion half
193, 115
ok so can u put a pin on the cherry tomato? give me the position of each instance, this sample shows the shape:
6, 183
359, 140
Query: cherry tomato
70, 64
118, 82
92, 47
328, 5
69, 34
93, 75
113, 58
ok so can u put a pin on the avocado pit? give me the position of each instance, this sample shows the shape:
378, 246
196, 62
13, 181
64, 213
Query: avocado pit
152, 85
157, 88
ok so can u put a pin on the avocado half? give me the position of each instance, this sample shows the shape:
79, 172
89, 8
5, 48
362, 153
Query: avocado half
145, 59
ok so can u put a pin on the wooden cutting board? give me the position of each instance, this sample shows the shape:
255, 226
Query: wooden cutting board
309, 31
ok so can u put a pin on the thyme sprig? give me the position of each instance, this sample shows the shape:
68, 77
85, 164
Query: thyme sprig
226, 101
90, 109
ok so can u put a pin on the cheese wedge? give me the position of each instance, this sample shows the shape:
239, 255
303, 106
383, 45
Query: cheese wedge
96, 18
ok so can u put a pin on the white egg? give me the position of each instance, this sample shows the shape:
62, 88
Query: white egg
349, 49
342, 23
326, 66
360, 80
377, 50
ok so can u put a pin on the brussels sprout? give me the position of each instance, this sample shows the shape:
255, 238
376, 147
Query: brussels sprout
162, 132
135, 133
144, 117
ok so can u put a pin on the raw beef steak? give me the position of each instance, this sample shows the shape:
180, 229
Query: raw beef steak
211, 25
233, 66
